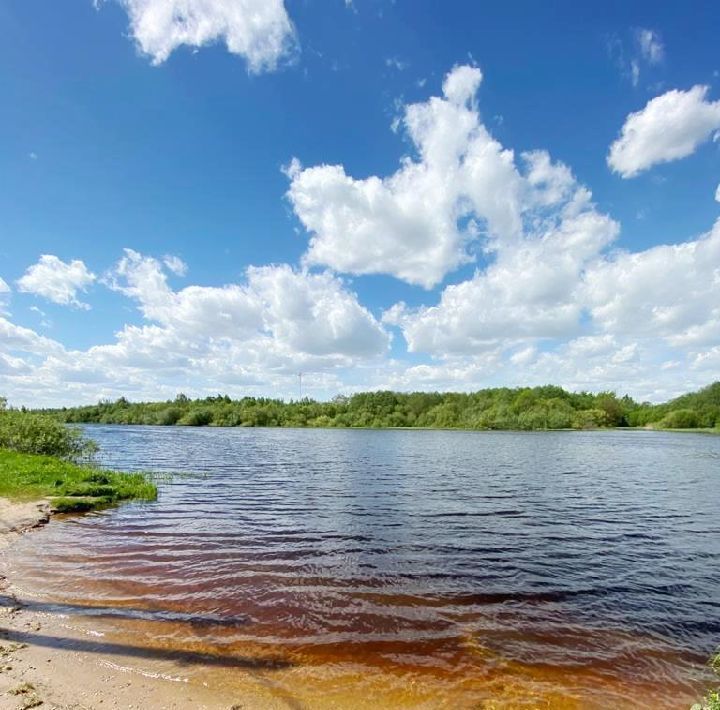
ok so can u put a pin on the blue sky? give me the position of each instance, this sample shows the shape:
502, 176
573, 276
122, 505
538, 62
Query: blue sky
376, 193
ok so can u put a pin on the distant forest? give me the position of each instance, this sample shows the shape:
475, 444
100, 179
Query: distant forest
528, 408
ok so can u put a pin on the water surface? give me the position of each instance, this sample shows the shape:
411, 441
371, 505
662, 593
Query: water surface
406, 568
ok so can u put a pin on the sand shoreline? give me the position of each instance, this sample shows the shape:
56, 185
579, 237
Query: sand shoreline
48, 660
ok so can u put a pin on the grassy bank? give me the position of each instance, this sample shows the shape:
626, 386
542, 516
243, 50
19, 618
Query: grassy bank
42, 458
69, 486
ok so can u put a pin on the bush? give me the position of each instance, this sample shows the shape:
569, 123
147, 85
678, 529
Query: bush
197, 417
680, 419
590, 419
38, 434
170, 416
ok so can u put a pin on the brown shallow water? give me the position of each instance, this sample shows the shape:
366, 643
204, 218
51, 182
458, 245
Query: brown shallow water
402, 568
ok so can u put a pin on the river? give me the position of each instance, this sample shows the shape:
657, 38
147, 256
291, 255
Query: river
393, 568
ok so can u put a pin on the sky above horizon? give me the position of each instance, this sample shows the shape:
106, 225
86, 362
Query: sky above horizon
212, 196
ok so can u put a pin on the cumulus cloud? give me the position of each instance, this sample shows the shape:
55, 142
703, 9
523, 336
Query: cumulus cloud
18, 339
552, 301
668, 291
717, 194
587, 362
57, 281
552, 298
670, 127
256, 334
417, 223
258, 30
563, 309
293, 313
532, 290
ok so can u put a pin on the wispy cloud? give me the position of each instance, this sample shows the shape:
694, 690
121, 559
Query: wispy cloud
644, 48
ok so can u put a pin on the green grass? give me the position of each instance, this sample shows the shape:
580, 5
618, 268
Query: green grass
70, 487
712, 700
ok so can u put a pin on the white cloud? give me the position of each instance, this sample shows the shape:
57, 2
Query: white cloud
645, 49
299, 312
417, 223
315, 314
4, 295
258, 30
651, 46
550, 301
558, 309
717, 194
175, 264
531, 290
671, 292
56, 280
670, 127
17, 339
251, 337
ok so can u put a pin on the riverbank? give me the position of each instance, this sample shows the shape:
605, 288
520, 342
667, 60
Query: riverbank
68, 487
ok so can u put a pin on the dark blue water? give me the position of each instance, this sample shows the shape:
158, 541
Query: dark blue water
585, 565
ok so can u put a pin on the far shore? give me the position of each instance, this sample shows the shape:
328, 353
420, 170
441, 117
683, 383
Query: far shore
666, 430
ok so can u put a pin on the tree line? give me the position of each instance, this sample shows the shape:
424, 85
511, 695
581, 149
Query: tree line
522, 408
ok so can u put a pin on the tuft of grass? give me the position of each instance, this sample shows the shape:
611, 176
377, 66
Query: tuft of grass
23, 689
715, 662
71, 487
712, 700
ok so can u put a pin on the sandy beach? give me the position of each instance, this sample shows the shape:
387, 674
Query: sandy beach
48, 660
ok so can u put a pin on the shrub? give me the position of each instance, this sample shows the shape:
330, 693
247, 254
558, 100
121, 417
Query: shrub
170, 416
680, 419
197, 417
38, 434
590, 419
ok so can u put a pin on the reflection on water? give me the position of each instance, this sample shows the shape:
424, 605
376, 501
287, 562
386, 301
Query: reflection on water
407, 568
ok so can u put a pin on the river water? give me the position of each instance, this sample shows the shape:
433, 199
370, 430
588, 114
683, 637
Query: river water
363, 568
